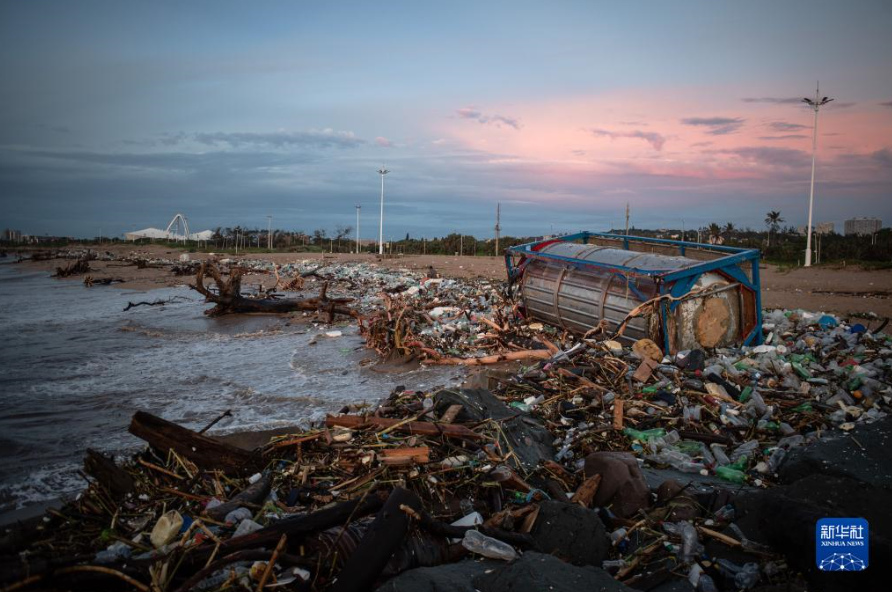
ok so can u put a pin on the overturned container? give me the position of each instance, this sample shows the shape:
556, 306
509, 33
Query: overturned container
680, 294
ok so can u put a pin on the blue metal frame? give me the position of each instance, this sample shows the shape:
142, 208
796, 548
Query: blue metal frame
674, 282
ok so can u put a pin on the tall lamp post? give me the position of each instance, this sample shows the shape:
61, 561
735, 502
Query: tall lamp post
815, 104
269, 233
358, 207
382, 171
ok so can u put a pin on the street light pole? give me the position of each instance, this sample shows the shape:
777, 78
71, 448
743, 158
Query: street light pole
382, 171
358, 207
269, 233
815, 104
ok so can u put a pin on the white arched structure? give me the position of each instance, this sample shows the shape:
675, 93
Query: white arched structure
177, 230
179, 221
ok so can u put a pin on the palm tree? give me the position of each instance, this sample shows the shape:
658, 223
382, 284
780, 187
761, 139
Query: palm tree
715, 234
772, 221
729, 228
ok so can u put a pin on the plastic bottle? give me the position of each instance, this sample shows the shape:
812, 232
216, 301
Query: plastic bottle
748, 576
487, 546
643, 436
730, 474
719, 452
688, 542
706, 584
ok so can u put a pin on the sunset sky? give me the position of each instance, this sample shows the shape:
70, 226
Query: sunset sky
116, 115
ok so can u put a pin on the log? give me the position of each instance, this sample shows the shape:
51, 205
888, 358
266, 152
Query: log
205, 452
381, 539
253, 494
112, 477
527, 354
423, 428
229, 300
587, 491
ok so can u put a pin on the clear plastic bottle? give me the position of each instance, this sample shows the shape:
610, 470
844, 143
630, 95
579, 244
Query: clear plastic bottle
719, 452
487, 546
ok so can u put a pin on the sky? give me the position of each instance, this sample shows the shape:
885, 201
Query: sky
115, 116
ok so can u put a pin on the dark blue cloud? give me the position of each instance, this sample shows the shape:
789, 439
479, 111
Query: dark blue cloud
717, 126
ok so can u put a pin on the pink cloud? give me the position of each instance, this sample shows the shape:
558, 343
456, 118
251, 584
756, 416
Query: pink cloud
383, 142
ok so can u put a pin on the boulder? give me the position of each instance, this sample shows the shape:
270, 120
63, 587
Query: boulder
570, 532
623, 487
535, 572
837, 477
452, 577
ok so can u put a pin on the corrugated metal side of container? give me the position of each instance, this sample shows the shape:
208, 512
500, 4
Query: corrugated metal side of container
575, 299
538, 288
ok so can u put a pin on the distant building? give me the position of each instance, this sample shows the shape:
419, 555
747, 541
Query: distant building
14, 236
862, 226
820, 228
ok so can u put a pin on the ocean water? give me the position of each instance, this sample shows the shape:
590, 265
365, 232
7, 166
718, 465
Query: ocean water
74, 368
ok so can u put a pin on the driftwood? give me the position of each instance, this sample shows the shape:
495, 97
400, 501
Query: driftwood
102, 468
381, 539
156, 302
74, 268
91, 281
229, 299
412, 427
253, 494
205, 452
529, 354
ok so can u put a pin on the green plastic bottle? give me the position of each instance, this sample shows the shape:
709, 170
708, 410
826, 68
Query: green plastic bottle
802, 372
645, 435
730, 474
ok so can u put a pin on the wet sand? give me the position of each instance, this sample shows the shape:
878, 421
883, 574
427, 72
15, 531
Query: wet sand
834, 289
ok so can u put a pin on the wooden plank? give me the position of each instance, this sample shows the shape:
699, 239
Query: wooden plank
423, 428
207, 453
404, 456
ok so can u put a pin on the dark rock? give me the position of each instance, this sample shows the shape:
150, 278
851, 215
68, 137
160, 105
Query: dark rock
527, 437
623, 487
833, 478
674, 585
535, 572
570, 532
675, 504
452, 577
839, 455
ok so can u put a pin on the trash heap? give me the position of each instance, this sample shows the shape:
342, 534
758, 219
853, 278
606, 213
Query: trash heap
595, 465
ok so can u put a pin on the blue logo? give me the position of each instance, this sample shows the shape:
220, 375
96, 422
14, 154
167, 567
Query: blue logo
842, 544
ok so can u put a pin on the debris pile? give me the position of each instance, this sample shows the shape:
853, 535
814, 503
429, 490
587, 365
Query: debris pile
593, 466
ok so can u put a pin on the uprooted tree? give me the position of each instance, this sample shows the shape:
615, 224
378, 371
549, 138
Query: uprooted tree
228, 298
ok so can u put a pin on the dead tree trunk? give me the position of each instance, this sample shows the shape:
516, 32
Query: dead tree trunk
228, 298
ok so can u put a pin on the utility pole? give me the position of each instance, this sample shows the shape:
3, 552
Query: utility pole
815, 104
269, 232
627, 218
358, 207
461, 245
498, 226
382, 171
682, 230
